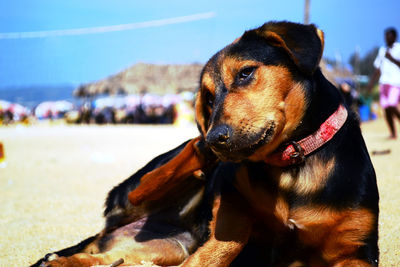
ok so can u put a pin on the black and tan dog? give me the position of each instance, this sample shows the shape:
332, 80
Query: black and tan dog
285, 177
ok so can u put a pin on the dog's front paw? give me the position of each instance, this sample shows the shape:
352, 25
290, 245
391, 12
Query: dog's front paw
42, 262
77, 260
58, 262
54, 261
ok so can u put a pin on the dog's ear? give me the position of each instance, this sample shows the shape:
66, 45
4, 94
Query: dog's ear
156, 184
303, 43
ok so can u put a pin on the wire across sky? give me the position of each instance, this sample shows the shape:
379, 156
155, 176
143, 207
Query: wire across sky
104, 29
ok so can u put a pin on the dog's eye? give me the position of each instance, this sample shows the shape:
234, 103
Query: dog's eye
209, 98
245, 74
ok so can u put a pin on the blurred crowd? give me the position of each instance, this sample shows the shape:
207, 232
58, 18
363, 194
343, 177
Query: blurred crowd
363, 103
138, 109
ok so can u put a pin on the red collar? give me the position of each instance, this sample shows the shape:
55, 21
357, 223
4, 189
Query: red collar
295, 152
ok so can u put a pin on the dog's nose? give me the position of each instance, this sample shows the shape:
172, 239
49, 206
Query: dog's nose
219, 136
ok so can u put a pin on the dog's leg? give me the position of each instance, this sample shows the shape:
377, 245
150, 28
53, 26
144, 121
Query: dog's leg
230, 231
155, 184
89, 242
340, 235
353, 263
163, 252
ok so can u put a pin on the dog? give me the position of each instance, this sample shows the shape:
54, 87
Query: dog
304, 188
279, 176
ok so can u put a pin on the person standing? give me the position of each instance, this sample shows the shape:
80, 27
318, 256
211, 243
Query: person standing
387, 64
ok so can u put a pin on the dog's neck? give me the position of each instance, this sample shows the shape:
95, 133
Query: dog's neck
296, 151
323, 118
324, 98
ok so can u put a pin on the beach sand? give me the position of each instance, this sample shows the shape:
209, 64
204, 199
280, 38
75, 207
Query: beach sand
55, 179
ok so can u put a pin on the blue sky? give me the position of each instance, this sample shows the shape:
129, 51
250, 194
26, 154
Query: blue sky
84, 58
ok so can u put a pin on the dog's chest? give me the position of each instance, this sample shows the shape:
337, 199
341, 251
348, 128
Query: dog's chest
275, 193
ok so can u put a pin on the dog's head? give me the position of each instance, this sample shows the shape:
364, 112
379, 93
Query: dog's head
253, 93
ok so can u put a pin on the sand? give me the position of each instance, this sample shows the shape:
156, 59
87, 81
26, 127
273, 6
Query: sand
55, 178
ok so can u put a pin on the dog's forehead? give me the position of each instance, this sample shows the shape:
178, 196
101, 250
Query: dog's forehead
212, 71
241, 49
248, 48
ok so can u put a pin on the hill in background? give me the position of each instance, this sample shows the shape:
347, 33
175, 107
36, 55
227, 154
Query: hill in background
163, 79
152, 78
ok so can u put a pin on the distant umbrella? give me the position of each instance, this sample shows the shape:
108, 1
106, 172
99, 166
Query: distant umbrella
170, 99
4, 105
132, 101
63, 106
151, 100
110, 102
17, 110
52, 109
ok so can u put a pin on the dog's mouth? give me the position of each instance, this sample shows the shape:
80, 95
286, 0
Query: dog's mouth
265, 137
242, 146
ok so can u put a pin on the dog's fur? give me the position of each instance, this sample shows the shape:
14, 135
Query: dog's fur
257, 94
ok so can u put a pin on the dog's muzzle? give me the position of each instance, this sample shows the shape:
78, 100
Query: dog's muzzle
219, 137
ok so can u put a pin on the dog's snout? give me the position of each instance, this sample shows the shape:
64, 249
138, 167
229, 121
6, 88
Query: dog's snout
219, 136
